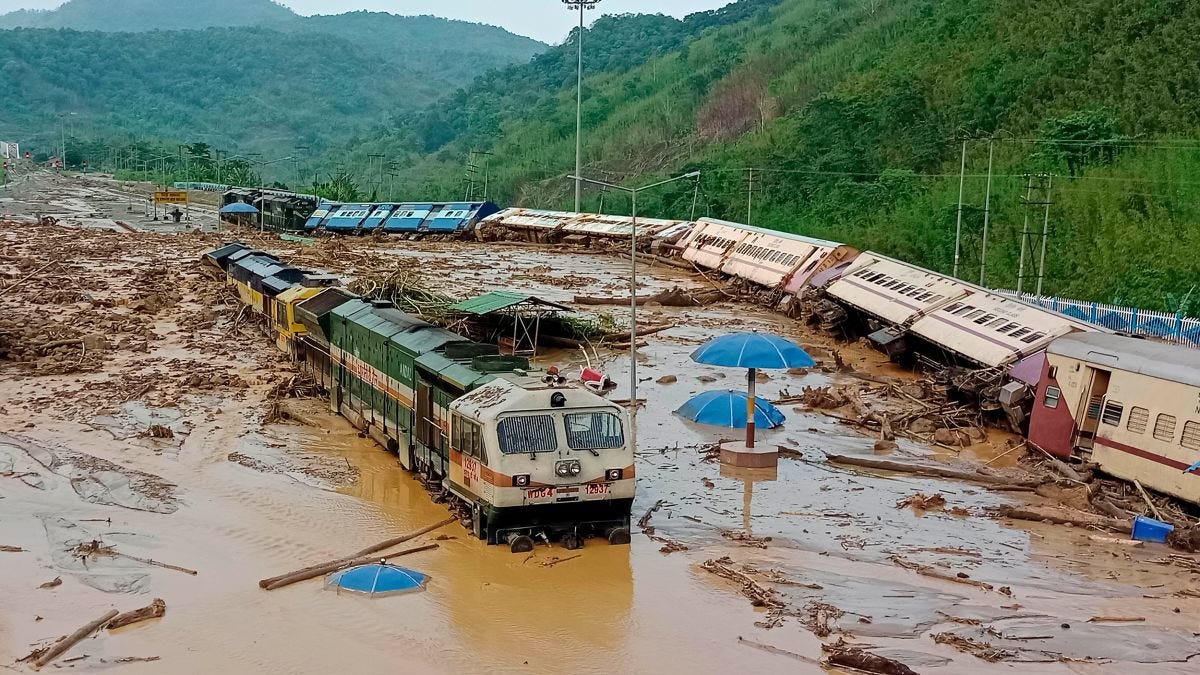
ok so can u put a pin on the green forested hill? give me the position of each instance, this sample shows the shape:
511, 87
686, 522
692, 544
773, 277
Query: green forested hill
291, 81
854, 111
140, 15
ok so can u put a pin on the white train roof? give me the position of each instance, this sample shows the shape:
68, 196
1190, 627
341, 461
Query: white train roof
1144, 357
961, 317
511, 393
774, 233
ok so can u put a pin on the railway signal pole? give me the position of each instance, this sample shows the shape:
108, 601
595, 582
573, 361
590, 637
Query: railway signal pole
580, 5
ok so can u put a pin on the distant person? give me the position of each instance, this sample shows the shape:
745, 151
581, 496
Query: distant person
177, 214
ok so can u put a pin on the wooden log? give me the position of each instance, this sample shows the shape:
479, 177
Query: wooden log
1101, 502
366, 551
154, 610
1061, 515
867, 662
934, 471
69, 641
311, 572
672, 298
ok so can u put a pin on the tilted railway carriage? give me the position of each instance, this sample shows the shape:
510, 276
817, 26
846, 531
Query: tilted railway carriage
520, 454
1133, 404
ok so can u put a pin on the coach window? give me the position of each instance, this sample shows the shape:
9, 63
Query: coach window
1191, 436
1112, 413
1052, 396
1139, 419
1164, 427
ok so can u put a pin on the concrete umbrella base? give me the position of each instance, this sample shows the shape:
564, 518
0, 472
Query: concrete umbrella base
738, 455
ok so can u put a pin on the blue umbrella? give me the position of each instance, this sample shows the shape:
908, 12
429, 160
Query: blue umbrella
753, 351
729, 409
377, 579
239, 207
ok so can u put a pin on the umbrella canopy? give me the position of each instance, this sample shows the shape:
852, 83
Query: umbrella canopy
753, 350
730, 409
377, 579
239, 207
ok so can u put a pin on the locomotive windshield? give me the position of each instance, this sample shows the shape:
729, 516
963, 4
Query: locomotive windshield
594, 431
527, 433
591, 431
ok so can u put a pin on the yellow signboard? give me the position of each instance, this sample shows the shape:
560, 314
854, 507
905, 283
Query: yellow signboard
171, 197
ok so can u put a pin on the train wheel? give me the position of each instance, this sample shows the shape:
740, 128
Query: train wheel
618, 536
571, 541
519, 543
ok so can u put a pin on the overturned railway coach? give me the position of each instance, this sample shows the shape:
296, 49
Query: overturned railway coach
522, 454
1133, 405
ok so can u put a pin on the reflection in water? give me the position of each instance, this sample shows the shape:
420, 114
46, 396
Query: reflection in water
749, 477
505, 607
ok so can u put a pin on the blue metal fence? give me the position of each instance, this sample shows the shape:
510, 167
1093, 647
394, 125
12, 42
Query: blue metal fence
1174, 328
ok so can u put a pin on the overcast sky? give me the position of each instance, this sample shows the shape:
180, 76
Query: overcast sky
546, 20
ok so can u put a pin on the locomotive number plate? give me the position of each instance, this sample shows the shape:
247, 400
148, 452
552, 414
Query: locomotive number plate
597, 488
539, 493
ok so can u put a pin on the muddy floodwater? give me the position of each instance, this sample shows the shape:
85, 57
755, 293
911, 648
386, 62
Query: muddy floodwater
237, 501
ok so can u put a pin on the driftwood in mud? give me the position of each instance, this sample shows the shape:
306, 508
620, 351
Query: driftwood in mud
1062, 515
934, 573
934, 471
322, 570
4, 548
675, 297
866, 661
271, 582
55, 650
154, 610
95, 548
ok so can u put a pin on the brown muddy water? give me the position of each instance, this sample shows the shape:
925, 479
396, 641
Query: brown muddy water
238, 502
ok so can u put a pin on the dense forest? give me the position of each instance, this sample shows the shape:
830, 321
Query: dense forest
141, 15
854, 113
293, 82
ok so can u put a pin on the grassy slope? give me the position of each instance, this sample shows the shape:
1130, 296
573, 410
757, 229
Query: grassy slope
864, 103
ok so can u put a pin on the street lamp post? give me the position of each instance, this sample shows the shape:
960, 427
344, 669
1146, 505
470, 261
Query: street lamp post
633, 195
580, 5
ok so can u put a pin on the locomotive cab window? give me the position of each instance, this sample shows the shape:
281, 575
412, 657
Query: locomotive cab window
594, 431
1112, 413
468, 437
1052, 396
527, 434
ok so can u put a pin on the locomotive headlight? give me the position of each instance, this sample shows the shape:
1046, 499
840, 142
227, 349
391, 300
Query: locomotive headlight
521, 480
614, 474
568, 467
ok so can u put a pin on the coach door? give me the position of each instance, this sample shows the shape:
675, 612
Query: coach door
1093, 404
427, 434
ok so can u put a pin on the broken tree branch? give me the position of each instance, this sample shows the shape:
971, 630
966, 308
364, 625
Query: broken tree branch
366, 551
69, 641
341, 564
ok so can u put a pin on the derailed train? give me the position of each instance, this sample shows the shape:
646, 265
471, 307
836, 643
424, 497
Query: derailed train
1007, 353
521, 454
1073, 387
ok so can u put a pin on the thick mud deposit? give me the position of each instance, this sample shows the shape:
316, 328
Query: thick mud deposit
237, 500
